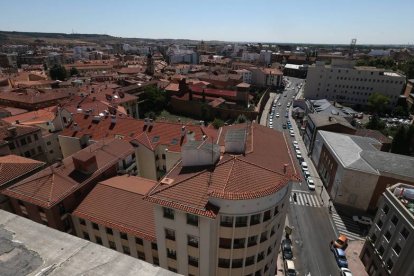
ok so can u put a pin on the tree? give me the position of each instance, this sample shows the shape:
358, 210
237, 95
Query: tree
58, 72
378, 102
74, 71
217, 123
400, 142
241, 119
155, 100
400, 111
375, 123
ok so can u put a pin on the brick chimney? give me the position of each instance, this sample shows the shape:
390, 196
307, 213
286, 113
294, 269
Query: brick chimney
85, 162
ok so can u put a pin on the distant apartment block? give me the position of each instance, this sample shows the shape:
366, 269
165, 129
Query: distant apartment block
345, 83
388, 247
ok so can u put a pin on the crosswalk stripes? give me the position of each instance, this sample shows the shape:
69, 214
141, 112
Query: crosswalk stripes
347, 226
305, 199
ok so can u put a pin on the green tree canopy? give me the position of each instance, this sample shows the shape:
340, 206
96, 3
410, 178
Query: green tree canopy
375, 123
378, 102
74, 71
240, 119
217, 123
155, 100
400, 142
58, 72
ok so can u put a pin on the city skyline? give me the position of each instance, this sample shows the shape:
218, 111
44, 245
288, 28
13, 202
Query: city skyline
319, 23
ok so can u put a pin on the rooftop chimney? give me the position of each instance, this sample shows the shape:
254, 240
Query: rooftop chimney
12, 131
183, 131
85, 162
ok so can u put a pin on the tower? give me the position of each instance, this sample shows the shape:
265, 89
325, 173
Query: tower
150, 64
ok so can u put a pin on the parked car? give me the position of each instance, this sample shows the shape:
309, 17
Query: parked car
311, 184
345, 271
304, 165
287, 249
286, 115
340, 257
294, 142
290, 268
362, 220
341, 242
296, 146
306, 173
292, 134
299, 157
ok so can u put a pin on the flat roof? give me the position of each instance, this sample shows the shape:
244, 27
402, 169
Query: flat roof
30, 248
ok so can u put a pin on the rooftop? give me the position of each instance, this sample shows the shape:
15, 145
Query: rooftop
49, 186
321, 120
404, 194
118, 203
233, 177
29, 248
13, 167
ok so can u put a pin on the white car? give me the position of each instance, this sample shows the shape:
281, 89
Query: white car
296, 146
277, 115
345, 272
292, 134
311, 184
295, 142
299, 156
362, 220
304, 166
279, 104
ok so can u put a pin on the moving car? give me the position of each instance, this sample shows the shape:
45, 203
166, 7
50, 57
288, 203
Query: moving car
279, 104
340, 257
311, 184
287, 249
345, 271
277, 115
341, 242
362, 220
284, 126
286, 115
290, 268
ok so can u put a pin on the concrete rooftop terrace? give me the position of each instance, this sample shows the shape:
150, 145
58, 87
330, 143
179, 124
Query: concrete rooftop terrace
29, 248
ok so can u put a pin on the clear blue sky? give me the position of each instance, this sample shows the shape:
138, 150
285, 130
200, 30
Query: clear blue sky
313, 21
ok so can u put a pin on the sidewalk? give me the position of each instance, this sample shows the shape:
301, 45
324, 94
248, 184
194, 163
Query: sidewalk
352, 255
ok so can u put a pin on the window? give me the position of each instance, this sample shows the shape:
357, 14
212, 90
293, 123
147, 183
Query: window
126, 250
112, 245
390, 264
225, 243
82, 221
98, 240
33, 152
27, 154
172, 254
168, 213
255, 219
260, 256
239, 243
29, 139
23, 141
241, 221
267, 215
172, 269
48, 143
272, 232
193, 261
155, 260
169, 234
388, 236
85, 236
276, 210
154, 246
236, 263
192, 219
66, 224
251, 241
269, 250
379, 224
226, 221
397, 248
109, 231
224, 263
123, 236
263, 236
381, 250
394, 220
249, 261
39, 149
95, 226
405, 233
373, 238
192, 241
11, 145
36, 137
139, 241
141, 255
163, 156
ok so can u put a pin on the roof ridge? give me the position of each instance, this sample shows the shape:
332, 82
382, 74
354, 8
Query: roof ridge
259, 166
230, 171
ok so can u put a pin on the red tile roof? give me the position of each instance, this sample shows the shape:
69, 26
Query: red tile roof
20, 130
161, 133
49, 186
35, 96
118, 203
230, 94
13, 167
257, 173
33, 117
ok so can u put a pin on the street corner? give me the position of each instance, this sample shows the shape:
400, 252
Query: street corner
354, 263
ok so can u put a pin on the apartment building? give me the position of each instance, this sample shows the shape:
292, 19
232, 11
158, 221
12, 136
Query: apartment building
221, 209
157, 145
266, 77
343, 82
388, 247
355, 172
49, 196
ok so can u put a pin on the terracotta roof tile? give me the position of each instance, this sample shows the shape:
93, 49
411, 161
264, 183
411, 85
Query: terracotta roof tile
13, 166
118, 203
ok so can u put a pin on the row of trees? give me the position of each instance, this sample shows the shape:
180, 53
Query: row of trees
389, 63
59, 72
403, 142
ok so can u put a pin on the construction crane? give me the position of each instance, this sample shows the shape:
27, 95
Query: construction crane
352, 48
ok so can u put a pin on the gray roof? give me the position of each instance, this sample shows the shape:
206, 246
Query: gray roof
202, 145
323, 120
362, 153
30, 248
235, 135
323, 106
